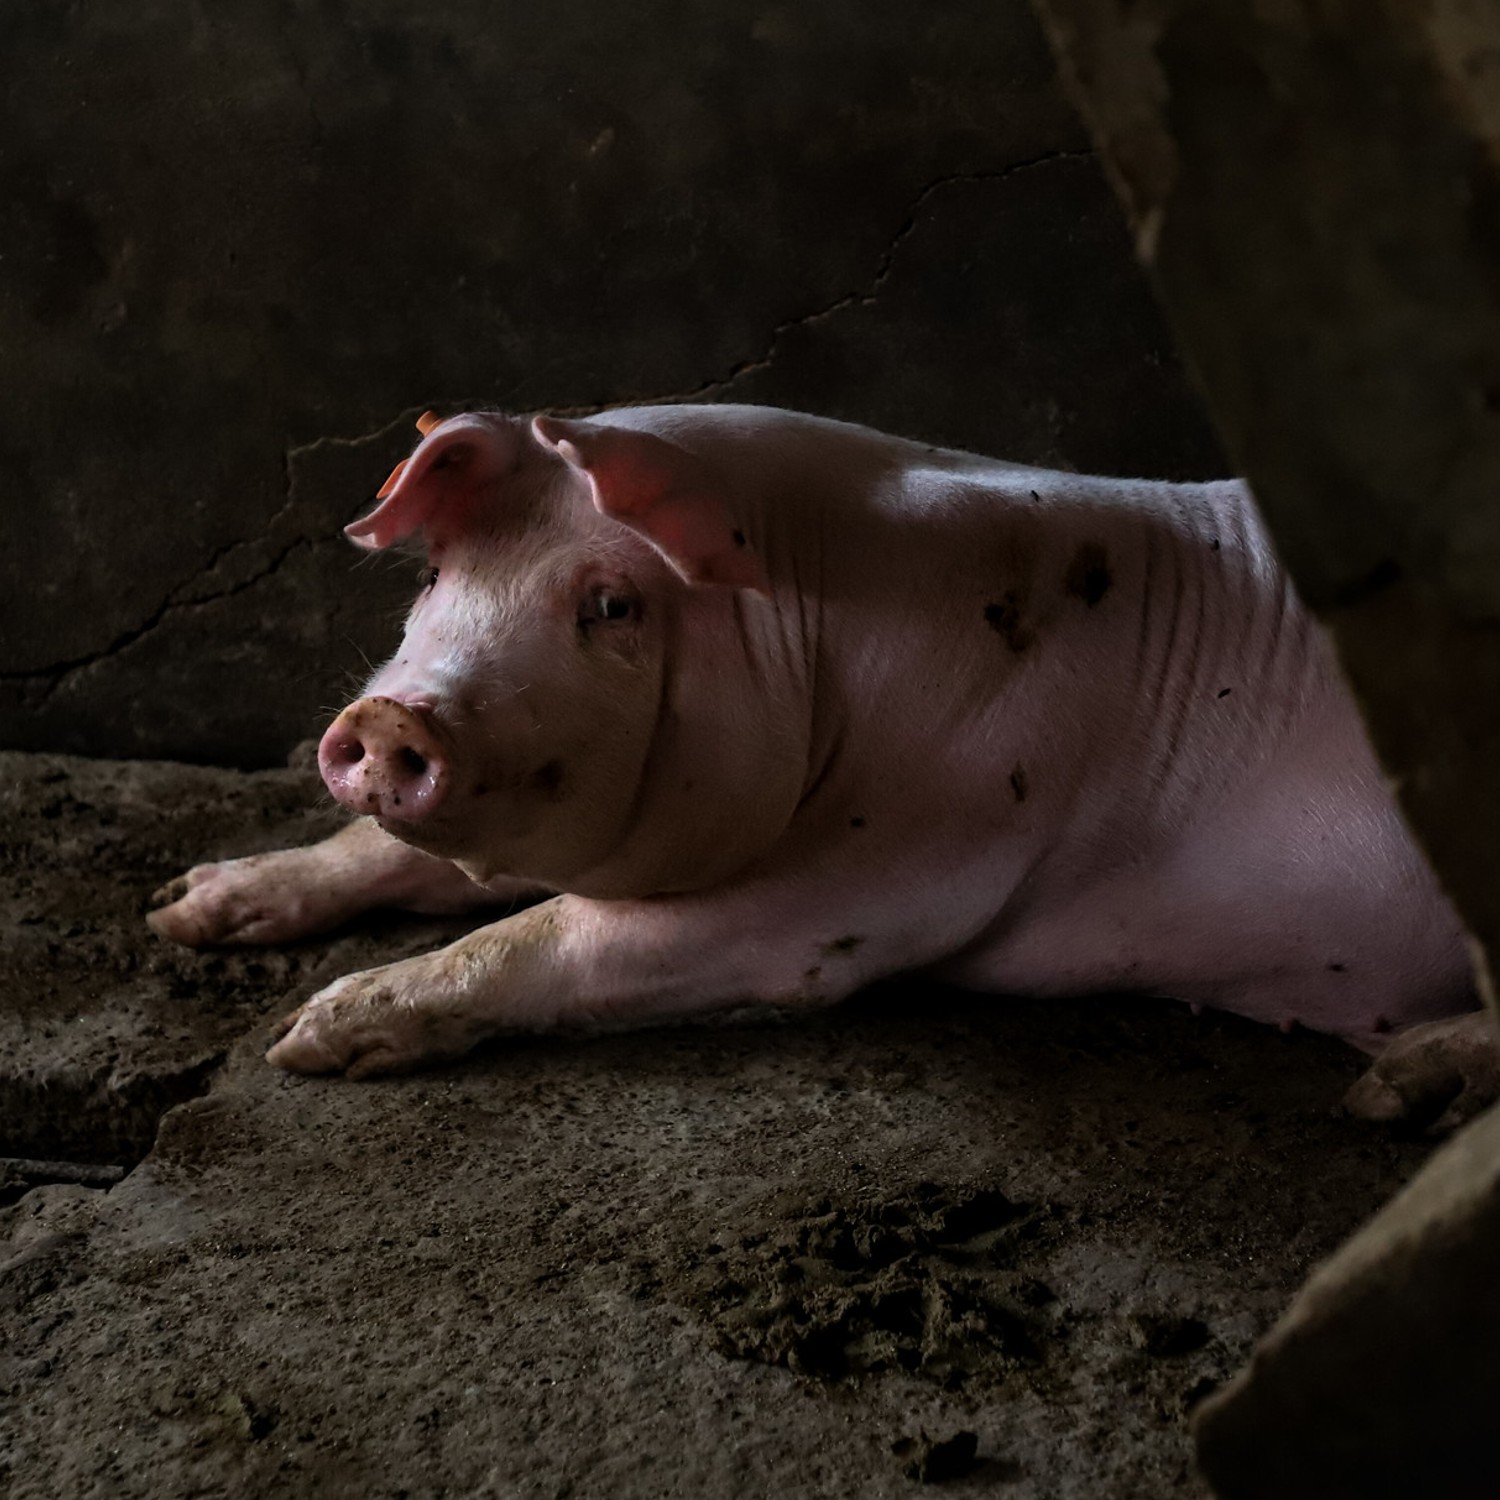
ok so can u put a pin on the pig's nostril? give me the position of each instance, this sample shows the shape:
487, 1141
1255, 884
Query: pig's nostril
381, 757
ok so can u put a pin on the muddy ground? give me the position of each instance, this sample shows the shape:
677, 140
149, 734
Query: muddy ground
923, 1238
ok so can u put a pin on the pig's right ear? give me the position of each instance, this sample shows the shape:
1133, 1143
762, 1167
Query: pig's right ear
436, 487
663, 493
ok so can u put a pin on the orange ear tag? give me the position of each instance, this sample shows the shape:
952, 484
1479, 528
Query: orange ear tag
390, 483
427, 421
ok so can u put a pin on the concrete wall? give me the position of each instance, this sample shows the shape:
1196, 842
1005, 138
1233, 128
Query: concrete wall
243, 244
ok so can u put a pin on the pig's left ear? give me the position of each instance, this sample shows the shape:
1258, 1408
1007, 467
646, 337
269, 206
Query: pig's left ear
666, 494
452, 465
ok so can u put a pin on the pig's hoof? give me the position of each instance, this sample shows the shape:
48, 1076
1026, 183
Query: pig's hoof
367, 1025
1434, 1076
185, 910
266, 898
169, 894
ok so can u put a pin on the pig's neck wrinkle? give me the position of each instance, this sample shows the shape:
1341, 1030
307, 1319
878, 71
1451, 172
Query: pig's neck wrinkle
617, 867
1225, 659
799, 626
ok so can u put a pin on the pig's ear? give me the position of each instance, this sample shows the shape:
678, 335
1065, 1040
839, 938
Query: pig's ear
453, 462
664, 493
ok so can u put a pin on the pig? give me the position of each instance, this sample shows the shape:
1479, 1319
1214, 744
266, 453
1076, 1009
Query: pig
754, 707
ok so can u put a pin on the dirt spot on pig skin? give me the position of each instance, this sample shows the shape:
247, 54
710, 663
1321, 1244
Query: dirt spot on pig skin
842, 945
1005, 620
856, 822
548, 780
1018, 785
1089, 577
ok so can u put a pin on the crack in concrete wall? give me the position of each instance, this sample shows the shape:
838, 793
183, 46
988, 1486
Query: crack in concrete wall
51, 678
883, 269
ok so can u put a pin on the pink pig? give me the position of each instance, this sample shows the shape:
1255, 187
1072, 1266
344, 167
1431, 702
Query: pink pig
781, 706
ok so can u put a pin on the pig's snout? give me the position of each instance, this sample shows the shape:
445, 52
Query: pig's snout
383, 758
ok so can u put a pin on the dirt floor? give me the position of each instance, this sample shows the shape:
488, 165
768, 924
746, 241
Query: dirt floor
923, 1238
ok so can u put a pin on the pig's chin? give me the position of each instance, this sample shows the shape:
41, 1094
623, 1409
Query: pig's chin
448, 839
431, 835
480, 869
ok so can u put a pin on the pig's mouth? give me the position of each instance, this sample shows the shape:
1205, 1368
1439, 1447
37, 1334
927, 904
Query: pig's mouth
440, 835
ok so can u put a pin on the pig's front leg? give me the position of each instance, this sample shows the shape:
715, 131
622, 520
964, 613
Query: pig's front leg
591, 964
293, 893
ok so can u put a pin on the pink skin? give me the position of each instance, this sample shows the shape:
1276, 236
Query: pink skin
785, 706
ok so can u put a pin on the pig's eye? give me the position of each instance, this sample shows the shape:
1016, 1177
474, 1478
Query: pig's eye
428, 577
607, 606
